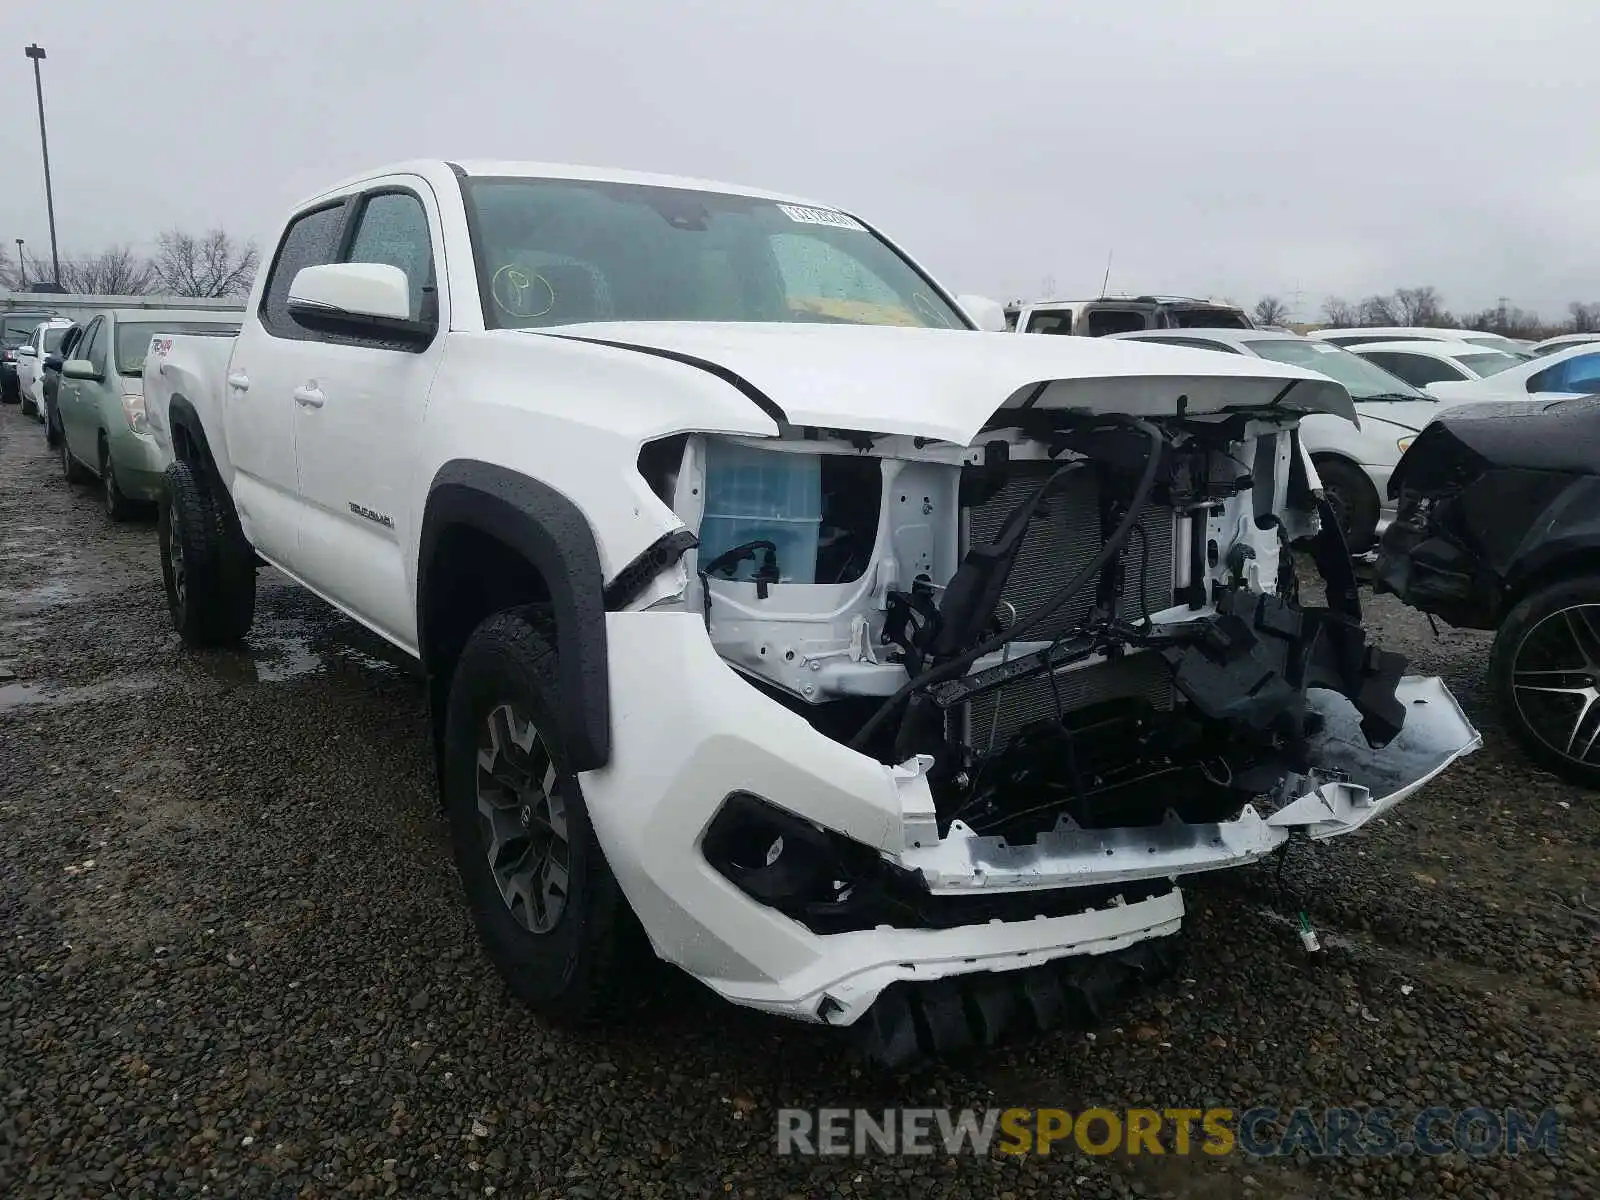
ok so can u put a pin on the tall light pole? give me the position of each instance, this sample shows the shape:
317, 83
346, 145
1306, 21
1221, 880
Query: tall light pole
22, 266
36, 52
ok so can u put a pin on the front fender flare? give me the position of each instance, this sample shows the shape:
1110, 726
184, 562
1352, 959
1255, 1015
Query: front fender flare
553, 536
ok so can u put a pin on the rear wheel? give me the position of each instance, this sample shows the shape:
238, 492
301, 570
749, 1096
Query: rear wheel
1545, 674
1354, 501
548, 911
208, 570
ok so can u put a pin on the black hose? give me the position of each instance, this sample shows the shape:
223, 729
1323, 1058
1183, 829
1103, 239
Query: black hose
953, 667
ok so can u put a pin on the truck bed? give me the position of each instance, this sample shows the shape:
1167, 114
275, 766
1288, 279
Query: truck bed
192, 369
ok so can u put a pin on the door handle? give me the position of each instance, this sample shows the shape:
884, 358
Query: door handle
237, 380
309, 395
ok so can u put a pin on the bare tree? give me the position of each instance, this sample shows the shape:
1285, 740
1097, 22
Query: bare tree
1271, 311
1339, 312
210, 265
1377, 310
1583, 318
1508, 321
1420, 306
114, 272
8, 270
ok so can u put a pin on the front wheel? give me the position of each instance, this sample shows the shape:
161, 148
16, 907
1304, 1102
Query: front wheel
1544, 671
29, 408
548, 911
209, 575
1354, 501
118, 506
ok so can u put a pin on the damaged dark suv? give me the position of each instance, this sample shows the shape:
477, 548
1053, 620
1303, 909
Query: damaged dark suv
1499, 528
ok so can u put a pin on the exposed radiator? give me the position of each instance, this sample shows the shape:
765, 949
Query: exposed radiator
1059, 542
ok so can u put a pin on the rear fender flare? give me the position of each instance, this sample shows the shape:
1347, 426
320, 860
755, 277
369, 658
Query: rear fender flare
182, 414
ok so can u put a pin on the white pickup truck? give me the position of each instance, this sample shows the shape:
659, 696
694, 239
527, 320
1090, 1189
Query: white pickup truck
887, 671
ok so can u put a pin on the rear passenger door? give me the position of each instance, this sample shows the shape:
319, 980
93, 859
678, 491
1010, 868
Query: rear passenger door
358, 415
269, 361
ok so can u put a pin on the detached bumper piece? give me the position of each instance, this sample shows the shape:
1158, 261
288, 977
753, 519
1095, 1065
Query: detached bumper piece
941, 1017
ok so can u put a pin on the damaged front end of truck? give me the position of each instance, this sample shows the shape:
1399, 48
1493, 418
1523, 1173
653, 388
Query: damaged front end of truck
1077, 651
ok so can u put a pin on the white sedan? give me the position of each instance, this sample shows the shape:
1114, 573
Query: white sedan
44, 341
1572, 371
1355, 464
1562, 341
1423, 363
1362, 336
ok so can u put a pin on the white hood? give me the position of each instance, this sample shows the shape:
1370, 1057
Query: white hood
946, 384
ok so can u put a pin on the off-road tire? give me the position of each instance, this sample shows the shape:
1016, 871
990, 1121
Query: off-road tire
1354, 499
118, 506
575, 971
210, 581
1511, 643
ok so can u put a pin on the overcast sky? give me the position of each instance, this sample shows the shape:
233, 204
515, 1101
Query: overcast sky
1232, 148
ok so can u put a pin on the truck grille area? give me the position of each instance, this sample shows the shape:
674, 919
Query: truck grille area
1062, 539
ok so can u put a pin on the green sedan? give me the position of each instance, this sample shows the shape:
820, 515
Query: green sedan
105, 433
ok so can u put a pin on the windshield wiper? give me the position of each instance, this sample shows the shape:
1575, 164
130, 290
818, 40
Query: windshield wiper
1399, 396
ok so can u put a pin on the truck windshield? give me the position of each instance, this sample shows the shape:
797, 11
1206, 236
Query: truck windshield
560, 251
1206, 317
53, 336
133, 338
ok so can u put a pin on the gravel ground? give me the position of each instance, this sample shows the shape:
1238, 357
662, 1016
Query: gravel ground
234, 959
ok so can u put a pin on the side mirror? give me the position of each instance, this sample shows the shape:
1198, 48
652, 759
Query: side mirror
27, 352
988, 315
360, 299
53, 362
80, 368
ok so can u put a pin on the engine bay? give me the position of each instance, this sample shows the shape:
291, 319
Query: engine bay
1088, 622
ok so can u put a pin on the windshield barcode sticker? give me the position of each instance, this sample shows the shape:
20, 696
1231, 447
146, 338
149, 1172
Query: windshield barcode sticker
820, 216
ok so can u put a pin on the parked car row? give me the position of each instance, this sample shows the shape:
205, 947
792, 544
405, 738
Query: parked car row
83, 380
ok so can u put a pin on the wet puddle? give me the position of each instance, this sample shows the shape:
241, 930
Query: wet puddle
283, 657
49, 594
17, 695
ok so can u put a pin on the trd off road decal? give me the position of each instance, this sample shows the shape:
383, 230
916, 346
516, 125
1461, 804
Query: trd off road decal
376, 518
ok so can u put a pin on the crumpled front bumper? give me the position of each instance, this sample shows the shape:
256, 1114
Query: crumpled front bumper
688, 731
